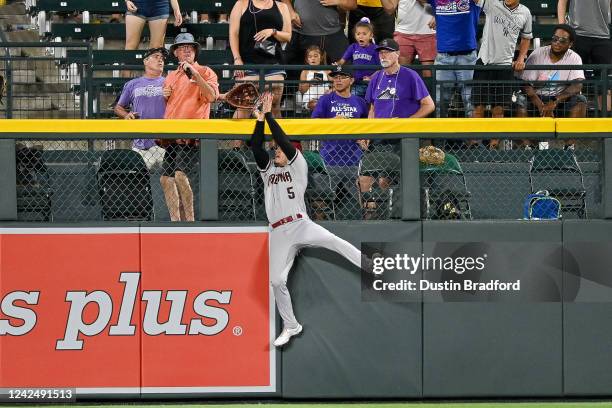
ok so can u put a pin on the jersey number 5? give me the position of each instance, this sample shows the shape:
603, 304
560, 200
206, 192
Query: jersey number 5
290, 193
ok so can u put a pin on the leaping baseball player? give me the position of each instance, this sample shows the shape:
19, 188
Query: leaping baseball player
285, 180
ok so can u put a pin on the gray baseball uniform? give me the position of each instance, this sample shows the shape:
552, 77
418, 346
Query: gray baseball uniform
291, 229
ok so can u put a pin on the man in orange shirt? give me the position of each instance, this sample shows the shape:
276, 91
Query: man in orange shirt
189, 91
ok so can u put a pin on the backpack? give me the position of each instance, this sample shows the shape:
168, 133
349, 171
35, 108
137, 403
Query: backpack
541, 206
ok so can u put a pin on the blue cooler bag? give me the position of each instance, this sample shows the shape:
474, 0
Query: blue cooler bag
541, 206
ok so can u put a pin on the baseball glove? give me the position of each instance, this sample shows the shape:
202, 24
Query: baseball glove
431, 155
244, 96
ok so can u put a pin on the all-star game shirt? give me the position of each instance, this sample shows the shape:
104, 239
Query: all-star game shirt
397, 95
284, 188
331, 105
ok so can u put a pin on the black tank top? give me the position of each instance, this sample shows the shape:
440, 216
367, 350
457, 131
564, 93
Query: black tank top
263, 19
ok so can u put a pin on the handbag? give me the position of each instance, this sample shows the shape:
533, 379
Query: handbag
266, 47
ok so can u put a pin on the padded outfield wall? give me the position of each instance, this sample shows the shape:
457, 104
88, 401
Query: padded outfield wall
145, 310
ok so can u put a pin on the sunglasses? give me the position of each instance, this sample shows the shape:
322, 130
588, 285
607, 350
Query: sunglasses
562, 40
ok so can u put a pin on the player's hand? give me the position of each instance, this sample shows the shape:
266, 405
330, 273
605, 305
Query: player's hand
167, 91
266, 100
131, 7
296, 21
178, 17
131, 115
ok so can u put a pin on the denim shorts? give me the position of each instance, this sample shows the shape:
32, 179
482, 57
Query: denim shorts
151, 10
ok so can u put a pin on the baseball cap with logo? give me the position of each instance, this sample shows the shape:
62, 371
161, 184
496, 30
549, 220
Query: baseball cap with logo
151, 51
340, 71
388, 44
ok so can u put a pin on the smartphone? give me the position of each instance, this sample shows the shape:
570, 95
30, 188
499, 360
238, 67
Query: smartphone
318, 76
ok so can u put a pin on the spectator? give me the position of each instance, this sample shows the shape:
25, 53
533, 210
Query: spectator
415, 32
142, 98
393, 92
254, 22
456, 25
506, 21
591, 20
380, 12
309, 92
362, 52
317, 22
205, 18
155, 12
554, 99
396, 91
189, 91
342, 156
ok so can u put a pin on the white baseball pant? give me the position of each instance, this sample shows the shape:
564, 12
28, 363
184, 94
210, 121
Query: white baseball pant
285, 243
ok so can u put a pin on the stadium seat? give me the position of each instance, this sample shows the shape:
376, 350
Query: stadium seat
540, 8
134, 57
237, 184
558, 172
319, 195
114, 31
444, 193
33, 186
124, 186
378, 203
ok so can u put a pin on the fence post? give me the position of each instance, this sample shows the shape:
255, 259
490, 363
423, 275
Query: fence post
411, 185
209, 180
607, 178
8, 180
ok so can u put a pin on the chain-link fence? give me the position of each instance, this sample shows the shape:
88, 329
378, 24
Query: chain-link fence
40, 83
68, 181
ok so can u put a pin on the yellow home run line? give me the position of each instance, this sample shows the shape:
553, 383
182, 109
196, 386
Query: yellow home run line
301, 126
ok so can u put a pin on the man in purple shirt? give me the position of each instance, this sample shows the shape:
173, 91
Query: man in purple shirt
142, 98
342, 156
396, 91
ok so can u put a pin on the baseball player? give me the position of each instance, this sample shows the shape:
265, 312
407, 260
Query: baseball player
285, 180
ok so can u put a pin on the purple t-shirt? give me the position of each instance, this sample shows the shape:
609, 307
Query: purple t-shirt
359, 55
331, 105
145, 96
396, 96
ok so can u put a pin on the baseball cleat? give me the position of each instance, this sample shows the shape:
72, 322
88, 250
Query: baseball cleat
286, 335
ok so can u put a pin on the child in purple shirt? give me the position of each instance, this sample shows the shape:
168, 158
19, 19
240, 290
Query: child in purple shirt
362, 52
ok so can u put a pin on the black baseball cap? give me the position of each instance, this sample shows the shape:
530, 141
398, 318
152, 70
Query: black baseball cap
340, 71
151, 51
388, 44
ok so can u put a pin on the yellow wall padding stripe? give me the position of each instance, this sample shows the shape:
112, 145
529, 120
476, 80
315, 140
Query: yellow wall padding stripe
588, 125
290, 126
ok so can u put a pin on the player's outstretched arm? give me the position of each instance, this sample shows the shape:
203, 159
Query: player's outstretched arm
257, 141
281, 138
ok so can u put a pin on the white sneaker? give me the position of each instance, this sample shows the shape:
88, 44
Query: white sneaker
286, 335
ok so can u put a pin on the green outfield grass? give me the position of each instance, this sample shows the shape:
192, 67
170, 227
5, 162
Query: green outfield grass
594, 404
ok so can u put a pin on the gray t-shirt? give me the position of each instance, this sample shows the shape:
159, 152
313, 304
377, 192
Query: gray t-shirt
590, 18
316, 19
502, 29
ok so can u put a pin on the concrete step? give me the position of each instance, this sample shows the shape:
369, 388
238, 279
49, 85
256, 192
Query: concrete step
25, 76
34, 103
22, 36
13, 9
49, 114
41, 88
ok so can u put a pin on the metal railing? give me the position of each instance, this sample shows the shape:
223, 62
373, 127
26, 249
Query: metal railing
47, 80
